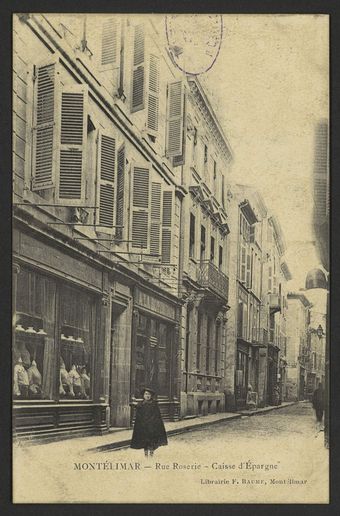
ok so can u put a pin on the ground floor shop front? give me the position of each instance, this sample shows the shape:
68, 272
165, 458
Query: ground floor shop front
59, 319
86, 340
203, 356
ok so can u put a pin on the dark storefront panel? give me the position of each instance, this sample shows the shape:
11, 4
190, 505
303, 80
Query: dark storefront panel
53, 351
241, 380
153, 356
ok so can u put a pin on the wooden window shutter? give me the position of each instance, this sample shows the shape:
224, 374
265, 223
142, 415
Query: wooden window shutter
110, 51
120, 192
166, 226
175, 120
153, 94
46, 123
249, 262
73, 136
155, 225
106, 165
270, 279
138, 71
140, 207
243, 263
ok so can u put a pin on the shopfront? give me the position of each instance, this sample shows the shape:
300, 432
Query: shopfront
57, 350
241, 374
154, 352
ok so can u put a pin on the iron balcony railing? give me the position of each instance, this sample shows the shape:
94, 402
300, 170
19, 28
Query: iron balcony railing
255, 335
260, 336
212, 278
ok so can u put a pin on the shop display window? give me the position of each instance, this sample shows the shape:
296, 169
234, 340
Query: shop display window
75, 348
33, 336
52, 347
153, 355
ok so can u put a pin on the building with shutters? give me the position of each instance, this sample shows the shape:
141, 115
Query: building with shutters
202, 156
247, 326
277, 275
256, 325
99, 142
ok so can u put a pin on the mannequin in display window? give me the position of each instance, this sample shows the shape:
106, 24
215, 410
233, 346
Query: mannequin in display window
20, 380
75, 380
86, 382
35, 381
65, 384
20, 351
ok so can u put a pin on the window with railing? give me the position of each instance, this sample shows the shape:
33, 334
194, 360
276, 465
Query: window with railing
208, 348
202, 246
199, 336
192, 236
213, 278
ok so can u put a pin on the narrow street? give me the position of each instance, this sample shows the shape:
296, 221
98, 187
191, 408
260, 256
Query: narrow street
272, 456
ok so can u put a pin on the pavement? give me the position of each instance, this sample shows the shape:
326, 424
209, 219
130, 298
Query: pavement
276, 457
121, 439
118, 438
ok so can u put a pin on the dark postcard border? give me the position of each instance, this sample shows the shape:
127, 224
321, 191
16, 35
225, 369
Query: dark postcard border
8, 7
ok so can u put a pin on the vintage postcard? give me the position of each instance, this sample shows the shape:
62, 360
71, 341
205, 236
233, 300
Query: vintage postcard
170, 258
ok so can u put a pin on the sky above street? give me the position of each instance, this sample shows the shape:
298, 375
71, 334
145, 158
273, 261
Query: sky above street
269, 86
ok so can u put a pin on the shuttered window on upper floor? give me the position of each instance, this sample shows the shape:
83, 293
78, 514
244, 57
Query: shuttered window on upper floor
138, 69
73, 135
167, 226
175, 122
153, 94
110, 43
140, 207
106, 172
120, 192
243, 262
249, 266
59, 135
45, 158
155, 224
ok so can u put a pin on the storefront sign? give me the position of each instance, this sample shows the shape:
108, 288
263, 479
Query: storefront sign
59, 262
155, 304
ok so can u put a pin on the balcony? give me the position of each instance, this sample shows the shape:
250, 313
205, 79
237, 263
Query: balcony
211, 278
274, 303
260, 336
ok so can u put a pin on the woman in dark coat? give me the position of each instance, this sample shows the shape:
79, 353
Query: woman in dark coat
148, 432
318, 404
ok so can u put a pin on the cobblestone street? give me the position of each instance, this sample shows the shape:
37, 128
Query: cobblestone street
276, 455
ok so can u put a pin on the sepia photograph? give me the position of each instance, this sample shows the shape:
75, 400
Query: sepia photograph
170, 258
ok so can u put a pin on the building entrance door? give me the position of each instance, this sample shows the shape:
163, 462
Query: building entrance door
153, 352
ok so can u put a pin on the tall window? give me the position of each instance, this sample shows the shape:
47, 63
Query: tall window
217, 345
220, 257
205, 154
192, 236
214, 173
202, 248
46, 367
212, 249
199, 336
208, 348
239, 318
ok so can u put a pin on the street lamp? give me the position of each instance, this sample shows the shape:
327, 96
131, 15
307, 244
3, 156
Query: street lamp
319, 331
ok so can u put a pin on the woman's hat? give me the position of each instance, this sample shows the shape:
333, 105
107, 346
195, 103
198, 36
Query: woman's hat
149, 390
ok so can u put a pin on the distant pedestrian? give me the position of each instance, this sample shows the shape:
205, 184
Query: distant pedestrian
148, 432
319, 406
